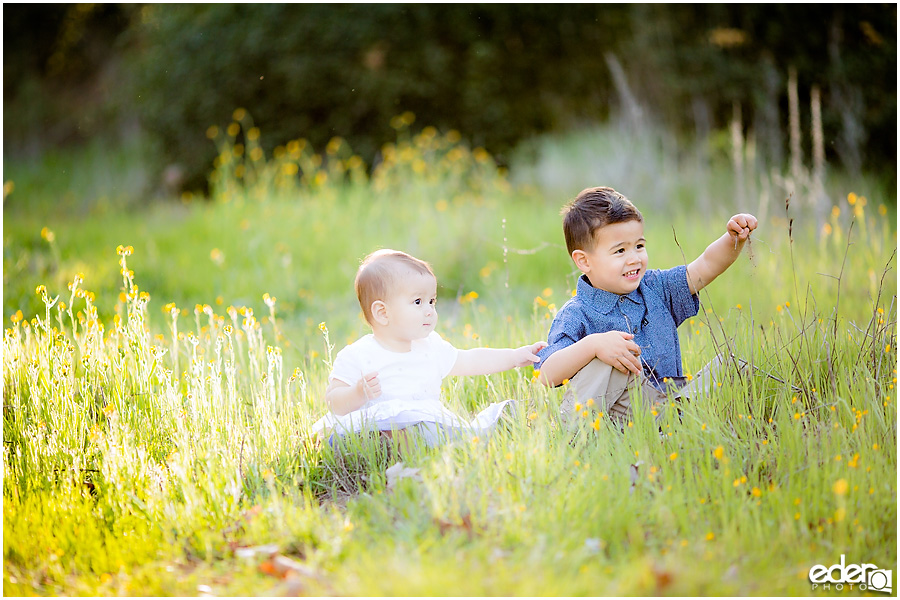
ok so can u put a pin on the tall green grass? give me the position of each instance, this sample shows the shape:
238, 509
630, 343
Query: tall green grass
159, 391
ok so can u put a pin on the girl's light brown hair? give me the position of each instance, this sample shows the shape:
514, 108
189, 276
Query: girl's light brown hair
380, 273
592, 209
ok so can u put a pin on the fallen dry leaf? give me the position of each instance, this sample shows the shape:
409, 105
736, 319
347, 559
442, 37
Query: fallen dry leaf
292, 572
251, 551
663, 580
397, 472
282, 567
633, 474
293, 586
465, 525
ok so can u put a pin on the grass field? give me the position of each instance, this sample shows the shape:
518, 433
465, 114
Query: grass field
163, 363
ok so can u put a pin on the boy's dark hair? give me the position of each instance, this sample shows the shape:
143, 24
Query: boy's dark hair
592, 209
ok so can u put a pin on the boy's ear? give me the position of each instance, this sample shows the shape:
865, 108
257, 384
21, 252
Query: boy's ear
379, 312
580, 258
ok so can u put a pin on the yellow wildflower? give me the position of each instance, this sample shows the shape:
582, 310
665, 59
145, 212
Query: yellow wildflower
840, 487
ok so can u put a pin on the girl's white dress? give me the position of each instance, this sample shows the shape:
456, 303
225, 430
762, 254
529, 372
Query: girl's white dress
410, 391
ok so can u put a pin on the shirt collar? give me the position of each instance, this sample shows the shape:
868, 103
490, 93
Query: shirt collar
602, 300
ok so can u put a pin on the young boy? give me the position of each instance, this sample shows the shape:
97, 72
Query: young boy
391, 378
619, 331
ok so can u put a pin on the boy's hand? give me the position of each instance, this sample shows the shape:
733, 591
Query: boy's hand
616, 348
527, 355
740, 226
369, 386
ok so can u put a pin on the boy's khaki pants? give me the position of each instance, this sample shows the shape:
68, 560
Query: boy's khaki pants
616, 394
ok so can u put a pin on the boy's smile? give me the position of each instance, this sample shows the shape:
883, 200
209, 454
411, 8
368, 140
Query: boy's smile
618, 260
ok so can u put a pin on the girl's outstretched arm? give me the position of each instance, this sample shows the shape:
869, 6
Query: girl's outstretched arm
482, 361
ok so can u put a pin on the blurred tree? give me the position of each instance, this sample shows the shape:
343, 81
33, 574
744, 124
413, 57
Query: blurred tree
318, 71
58, 72
498, 73
726, 53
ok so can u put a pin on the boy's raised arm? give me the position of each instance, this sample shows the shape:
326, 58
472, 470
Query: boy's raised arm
721, 254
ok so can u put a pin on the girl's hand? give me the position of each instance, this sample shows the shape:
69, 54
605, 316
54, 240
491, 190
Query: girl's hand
740, 226
369, 386
527, 355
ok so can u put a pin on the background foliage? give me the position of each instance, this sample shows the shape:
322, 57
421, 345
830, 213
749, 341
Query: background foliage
496, 73
158, 395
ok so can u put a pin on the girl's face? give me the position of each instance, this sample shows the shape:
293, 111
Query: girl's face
411, 310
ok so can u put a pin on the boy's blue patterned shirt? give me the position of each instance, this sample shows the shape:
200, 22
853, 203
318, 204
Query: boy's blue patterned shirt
652, 313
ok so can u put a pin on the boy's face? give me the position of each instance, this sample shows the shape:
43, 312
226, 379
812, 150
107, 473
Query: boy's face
618, 260
411, 309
